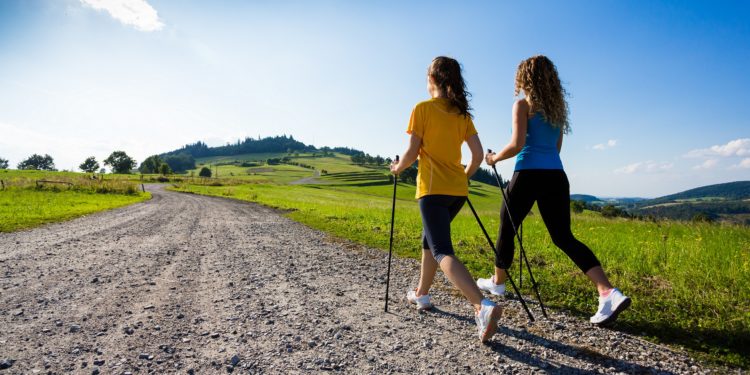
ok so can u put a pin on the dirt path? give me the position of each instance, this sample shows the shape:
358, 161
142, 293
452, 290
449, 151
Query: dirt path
314, 179
192, 284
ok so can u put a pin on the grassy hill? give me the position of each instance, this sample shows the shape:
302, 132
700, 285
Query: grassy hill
728, 202
737, 190
690, 281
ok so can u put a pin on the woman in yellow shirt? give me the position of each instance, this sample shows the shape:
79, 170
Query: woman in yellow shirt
437, 128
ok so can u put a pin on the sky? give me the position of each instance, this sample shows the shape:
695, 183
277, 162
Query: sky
658, 90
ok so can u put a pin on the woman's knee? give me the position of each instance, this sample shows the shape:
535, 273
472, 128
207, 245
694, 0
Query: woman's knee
563, 240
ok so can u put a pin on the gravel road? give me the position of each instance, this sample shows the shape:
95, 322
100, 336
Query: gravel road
192, 284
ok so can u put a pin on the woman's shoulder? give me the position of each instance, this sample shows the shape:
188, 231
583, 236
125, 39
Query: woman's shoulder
521, 105
425, 103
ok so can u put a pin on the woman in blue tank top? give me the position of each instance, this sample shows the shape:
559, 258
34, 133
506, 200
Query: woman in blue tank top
540, 120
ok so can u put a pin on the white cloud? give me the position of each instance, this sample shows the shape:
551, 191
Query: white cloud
603, 146
646, 167
708, 164
737, 147
744, 164
136, 13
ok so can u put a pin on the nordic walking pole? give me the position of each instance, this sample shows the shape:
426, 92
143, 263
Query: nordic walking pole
520, 264
390, 242
492, 245
520, 240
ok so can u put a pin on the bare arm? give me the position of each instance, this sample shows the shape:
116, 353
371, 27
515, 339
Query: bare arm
475, 145
409, 157
518, 138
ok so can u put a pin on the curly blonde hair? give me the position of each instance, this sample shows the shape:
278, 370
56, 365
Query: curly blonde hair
537, 77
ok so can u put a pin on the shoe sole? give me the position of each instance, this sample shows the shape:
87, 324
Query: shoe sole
620, 308
497, 311
421, 308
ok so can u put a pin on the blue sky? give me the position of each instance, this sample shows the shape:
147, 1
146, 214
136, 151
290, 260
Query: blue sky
658, 90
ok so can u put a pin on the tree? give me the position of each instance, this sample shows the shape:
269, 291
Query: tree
612, 211
3, 163
577, 206
180, 162
483, 175
38, 162
409, 175
205, 172
90, 165
703, 217
151, 164
120, 162
165, 170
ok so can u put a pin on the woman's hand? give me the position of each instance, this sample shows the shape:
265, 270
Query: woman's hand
489, 158
394, 167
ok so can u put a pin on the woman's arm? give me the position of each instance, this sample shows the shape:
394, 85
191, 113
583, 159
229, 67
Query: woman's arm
518, 138
475, 145
409, 157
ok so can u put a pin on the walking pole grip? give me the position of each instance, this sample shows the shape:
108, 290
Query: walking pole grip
390, 242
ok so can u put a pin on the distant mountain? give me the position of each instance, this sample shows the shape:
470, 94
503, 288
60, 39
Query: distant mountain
584, 197
590, 199
725, 202
737, 190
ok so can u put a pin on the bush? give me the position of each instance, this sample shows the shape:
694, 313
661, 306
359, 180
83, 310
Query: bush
205, 172
703, 217
577, 206
612, 211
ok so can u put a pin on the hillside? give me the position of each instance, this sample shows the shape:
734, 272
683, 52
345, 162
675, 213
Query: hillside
729, 202
730, 191
584, 198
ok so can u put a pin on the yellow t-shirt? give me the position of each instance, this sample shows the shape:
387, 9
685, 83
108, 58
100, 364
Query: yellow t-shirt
442, 130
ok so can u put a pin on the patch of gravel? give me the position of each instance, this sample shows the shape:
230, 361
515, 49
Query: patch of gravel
191, 284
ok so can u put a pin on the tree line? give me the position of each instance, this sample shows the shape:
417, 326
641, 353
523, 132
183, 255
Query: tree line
117, 161
277, 144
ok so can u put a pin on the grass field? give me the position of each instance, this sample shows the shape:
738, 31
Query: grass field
25, 204
690, 282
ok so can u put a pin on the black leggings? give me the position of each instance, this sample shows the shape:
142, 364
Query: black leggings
551, 190
437, 213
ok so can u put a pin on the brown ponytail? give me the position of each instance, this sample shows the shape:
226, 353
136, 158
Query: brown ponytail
446, 74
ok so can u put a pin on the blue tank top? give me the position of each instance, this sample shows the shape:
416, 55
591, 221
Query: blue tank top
540, 149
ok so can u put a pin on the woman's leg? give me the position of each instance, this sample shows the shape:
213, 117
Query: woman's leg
437, 213
554, 205
461, 278
597, 276
427, 272
521, 196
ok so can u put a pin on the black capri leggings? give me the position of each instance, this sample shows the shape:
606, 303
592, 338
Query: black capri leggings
437, 213
551, 190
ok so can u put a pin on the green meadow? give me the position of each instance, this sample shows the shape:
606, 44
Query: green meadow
27, 202
690, 282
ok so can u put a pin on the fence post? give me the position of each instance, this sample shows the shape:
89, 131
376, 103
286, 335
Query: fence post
3, 184
143, 188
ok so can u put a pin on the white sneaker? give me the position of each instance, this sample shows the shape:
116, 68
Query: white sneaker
490, 286
609, 307
422, 302
487, 319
